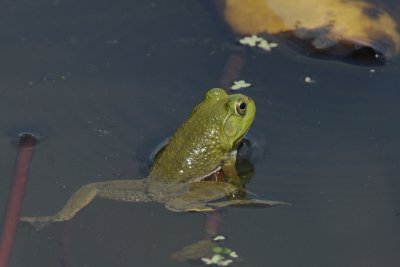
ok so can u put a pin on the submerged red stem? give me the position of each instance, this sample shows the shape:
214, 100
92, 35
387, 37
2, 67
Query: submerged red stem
211, 225
16, 196
233, 68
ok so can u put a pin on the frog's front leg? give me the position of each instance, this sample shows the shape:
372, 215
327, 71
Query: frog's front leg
124, 190
230, 171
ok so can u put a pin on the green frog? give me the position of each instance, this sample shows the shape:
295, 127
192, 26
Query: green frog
205, 143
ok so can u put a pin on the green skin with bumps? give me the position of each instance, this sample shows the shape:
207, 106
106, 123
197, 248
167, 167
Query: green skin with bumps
206, 142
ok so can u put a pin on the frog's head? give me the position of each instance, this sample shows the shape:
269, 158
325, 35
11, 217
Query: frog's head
237, 112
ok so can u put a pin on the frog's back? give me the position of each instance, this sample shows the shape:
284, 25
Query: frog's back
195, 150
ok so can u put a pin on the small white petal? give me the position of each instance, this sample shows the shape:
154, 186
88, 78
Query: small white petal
264, 45
219, 238
225, 262
207, 261
309, 80
216, 258
233, 254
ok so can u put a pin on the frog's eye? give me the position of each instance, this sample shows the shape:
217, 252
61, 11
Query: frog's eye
241, 107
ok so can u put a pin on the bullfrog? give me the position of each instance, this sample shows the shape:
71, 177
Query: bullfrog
205, 143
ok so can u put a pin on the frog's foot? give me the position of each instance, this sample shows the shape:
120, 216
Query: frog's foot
125, 190
78, 200
38, 222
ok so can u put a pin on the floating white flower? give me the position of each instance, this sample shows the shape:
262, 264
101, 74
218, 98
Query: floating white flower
240, 84
260, 42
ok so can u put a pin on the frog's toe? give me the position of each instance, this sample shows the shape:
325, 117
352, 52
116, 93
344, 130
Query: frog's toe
188, 207
200, 209
262, 203
37, 222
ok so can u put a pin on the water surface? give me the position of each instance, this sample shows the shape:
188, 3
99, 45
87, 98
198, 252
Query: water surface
107, 81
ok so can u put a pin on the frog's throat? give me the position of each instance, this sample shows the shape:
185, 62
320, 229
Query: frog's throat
229, 140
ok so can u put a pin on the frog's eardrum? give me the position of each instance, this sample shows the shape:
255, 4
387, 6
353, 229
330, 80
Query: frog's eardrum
338, 27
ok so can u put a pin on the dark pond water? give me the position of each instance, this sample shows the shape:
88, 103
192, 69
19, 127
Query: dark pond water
106, 81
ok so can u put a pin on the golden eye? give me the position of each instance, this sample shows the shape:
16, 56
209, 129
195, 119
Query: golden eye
241, 107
